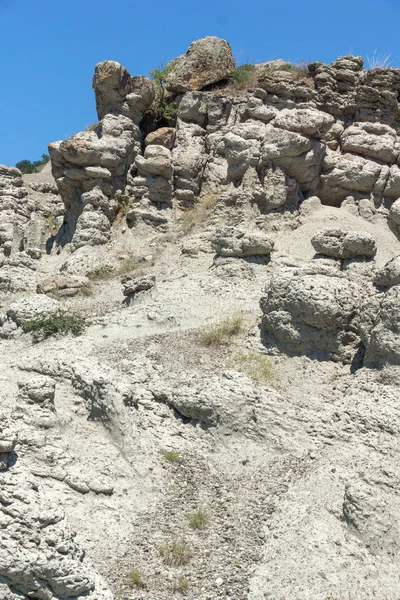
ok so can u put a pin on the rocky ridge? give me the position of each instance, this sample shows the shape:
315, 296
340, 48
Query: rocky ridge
281, 194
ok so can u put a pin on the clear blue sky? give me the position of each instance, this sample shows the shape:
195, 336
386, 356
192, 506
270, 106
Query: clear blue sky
49, 48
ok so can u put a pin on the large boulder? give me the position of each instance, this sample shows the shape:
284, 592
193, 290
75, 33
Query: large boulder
33, 307
308, 313
344, 244
206, 61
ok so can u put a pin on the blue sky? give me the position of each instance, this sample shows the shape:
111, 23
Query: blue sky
49, 48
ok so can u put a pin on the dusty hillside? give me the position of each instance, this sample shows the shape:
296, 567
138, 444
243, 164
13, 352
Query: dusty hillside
199, 337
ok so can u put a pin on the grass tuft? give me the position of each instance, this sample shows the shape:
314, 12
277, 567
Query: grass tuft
198, 519
199, 212
180, 585
176, 554
257, 366
220, 333
379, 60
171, 456
136, 578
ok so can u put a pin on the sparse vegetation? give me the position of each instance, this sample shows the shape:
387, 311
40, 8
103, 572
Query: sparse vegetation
243, 78
242, 74
171, 456
299, 69
26, 166
220, 333
59, 323
176, 554
52, 225
164, 106
199, 212
105, 272
257, 366
136, 578
180, 585
91, 127
198, 519
378, 60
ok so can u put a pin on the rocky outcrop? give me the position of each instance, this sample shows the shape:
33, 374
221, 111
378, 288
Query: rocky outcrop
329, 131
91, 167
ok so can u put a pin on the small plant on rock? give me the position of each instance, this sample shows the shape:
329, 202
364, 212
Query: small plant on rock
242, 74
198, 519
164, 106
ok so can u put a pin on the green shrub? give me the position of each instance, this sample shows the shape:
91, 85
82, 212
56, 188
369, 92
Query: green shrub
198, 519
220, 333
171, 456
59, 323
164, 107
242, 74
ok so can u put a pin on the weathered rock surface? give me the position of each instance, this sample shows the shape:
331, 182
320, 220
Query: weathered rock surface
344, 244
230, 241
206, 61
314, 312
33, 307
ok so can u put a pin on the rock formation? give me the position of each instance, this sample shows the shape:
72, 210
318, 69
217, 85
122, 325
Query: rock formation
186, 442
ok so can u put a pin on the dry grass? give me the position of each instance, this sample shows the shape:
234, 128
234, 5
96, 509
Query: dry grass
299, 69
379, 60
198, 519
106, 272
176, 554
219, 334
199, 213
257, 366
91, 127
180, 585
